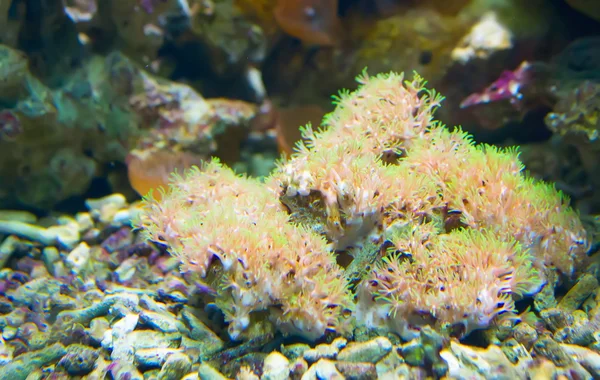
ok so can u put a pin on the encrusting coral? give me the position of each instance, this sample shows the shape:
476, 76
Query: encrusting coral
457, 231
267, 263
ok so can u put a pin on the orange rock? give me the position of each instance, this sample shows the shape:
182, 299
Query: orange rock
289, 121
314, 22
151, 170
286, 122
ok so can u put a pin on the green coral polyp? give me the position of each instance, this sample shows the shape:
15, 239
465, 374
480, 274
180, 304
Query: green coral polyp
458, 231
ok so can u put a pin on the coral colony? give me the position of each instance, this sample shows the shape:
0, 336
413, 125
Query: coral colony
448, 233
180, 199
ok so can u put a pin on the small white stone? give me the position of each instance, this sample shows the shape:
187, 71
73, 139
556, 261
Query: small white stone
207, 372
276, 367
85, 221
323, 369
79, 257
371, 351
116, 200
325, 351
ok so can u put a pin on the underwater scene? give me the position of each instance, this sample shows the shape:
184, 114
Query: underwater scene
299, 189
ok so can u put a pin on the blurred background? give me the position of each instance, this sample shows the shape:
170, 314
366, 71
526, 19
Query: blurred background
98, 97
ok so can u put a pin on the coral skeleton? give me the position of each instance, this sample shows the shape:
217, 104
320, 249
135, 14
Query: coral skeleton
457, 230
